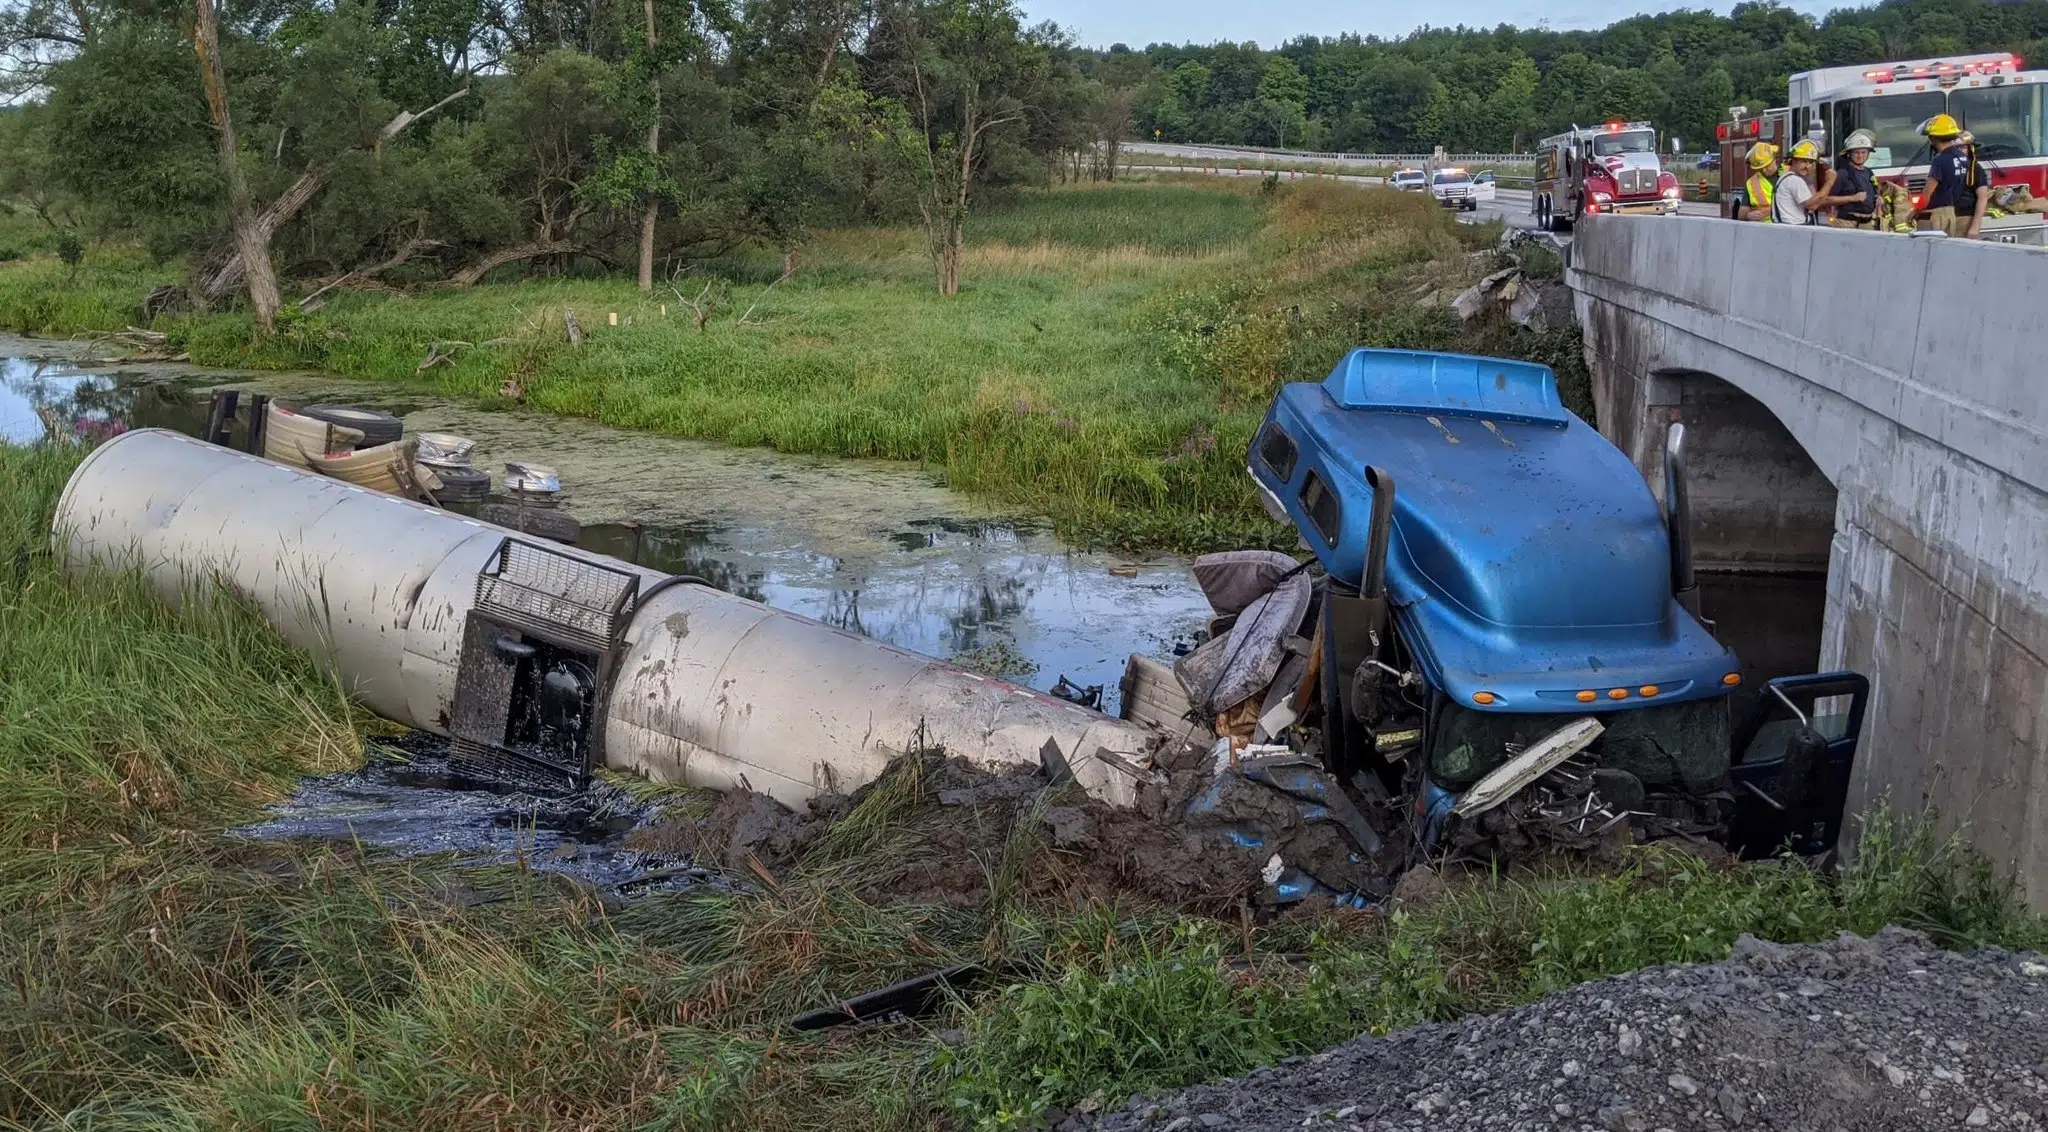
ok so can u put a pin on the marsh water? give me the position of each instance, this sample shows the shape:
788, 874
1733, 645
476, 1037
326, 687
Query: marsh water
871, 546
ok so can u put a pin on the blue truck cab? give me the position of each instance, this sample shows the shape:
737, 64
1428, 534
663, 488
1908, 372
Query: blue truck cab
1493, 569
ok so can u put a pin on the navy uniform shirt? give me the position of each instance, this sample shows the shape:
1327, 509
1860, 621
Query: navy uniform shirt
1851, 181
1948, 181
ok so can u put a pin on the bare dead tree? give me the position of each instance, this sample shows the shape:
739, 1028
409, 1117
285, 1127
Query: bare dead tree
252, 242
653, 207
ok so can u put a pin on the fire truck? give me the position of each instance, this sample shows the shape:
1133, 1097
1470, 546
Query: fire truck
1594, 169
2000, 103
1742, 131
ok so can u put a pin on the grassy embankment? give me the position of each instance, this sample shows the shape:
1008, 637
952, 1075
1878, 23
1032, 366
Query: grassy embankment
1105, 363
156, 975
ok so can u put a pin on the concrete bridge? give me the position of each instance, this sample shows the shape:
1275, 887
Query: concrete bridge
1872, 409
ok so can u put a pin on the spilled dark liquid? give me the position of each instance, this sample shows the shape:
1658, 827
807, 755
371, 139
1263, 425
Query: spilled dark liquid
411, 800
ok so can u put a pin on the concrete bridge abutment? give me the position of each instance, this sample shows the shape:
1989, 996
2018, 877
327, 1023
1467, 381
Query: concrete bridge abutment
1870, 410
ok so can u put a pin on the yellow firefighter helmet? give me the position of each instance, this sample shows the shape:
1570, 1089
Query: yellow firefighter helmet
1804, 151
1762, 156
1941, 126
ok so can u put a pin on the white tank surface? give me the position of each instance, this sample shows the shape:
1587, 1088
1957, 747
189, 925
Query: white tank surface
709, 689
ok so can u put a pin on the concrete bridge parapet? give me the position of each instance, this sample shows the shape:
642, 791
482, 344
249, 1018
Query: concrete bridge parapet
1877, 404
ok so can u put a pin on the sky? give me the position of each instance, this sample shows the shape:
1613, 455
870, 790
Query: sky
1099, 23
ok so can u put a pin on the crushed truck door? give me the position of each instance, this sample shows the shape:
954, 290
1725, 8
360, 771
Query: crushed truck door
1793, 757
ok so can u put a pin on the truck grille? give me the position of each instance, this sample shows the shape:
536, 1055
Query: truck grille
1635, 182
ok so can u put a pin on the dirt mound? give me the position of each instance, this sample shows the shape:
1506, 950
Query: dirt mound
939, 830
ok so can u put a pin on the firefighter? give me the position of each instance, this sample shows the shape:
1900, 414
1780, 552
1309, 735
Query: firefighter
1794, 195
1958, 192
1854, 194
1980, 178
1759, 191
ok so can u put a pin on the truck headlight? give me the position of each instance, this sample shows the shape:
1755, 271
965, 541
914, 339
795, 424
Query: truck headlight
1603, 197
1672, 193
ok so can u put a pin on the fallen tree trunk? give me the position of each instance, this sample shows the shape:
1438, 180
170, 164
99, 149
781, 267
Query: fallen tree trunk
400, 258
221, 272
474, 273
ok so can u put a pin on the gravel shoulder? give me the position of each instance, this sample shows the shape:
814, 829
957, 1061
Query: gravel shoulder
1886, 1033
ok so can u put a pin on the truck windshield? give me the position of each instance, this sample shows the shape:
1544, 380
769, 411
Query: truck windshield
1683, 744
2006, 120
1894, 122
1634, 141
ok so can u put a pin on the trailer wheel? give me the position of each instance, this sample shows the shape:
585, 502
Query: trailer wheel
463, 485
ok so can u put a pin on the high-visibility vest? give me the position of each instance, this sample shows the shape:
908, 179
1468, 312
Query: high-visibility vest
1762, 193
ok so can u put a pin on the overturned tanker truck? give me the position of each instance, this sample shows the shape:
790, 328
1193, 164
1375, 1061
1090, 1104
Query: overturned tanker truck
1504, 645
1494, 647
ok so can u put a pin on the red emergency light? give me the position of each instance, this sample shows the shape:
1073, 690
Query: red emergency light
1980, 67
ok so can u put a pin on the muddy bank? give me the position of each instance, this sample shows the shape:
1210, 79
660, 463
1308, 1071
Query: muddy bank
934, 830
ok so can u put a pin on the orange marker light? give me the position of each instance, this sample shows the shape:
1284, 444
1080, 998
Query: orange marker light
1732, 679
1483, 698
1588, 697
1648, 690
1618, 694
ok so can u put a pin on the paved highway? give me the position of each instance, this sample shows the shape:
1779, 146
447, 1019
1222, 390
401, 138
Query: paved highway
1511, 206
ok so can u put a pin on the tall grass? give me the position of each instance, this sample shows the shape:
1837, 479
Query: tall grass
1104, 365
1174, 218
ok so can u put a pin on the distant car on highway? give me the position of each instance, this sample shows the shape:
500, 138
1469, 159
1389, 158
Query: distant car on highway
1409, 180
1709, 161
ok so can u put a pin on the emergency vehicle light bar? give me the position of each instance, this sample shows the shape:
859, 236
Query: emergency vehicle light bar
1982, 67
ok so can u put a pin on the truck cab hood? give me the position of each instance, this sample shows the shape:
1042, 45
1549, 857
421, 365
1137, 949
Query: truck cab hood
1528, 556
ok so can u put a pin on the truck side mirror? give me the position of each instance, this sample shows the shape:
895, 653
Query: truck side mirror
1805, 756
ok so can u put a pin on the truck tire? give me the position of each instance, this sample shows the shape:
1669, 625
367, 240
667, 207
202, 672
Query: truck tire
376, 427
463, 485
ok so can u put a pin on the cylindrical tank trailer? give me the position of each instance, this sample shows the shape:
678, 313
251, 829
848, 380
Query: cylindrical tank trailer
554, 658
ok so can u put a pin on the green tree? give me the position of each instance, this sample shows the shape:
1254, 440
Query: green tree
968, 73
1512, 106
1284, 82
